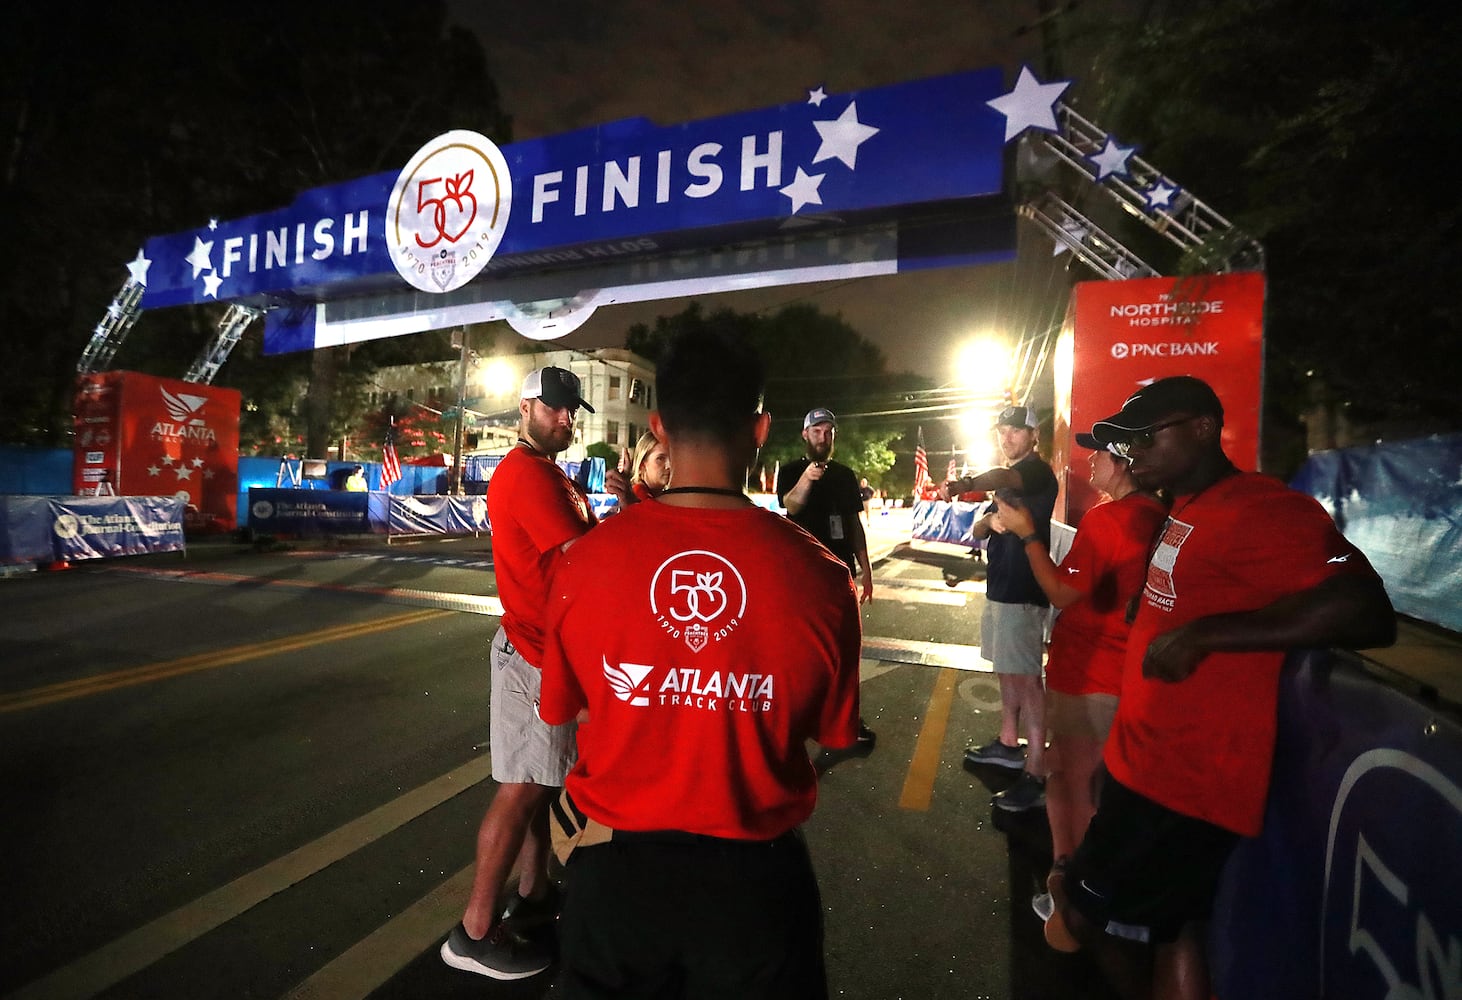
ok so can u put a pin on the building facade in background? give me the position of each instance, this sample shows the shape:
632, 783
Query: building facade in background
619, 384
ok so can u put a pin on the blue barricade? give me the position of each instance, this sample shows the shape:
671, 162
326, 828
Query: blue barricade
940, 521
308, 512
1354, 888
433, 515
48, 529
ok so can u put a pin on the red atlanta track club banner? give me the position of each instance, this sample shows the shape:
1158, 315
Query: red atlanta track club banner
139, 435
1125, 334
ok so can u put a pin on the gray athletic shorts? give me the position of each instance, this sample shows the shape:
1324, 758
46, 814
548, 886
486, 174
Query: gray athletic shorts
1012, 636
525, 749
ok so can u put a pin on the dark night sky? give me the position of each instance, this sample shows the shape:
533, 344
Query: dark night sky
567, 64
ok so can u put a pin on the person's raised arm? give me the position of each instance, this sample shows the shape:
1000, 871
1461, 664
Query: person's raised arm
988, 481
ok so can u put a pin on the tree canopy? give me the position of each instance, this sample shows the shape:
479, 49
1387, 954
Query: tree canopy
1318, 128
127, 125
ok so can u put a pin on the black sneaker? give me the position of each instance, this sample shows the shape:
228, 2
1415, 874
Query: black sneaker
533, 912
503, 954
1028, 792
866, 737
998, 754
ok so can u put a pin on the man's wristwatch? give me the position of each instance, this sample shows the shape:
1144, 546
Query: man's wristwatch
1027, 539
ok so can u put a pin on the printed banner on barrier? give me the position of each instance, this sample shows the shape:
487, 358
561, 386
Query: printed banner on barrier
1122, 335
1353, 887
308, 512
98, 527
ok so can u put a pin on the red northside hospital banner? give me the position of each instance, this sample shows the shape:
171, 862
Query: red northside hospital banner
1121, 335
139, 435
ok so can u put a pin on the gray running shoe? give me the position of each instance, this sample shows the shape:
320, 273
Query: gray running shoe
998, 754
1028, 792
503, 954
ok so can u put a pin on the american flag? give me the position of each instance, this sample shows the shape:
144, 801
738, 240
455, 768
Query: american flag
390, 463
952, 472
921, 465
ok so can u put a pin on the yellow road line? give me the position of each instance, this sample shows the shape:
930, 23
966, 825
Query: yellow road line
918, 790
146, 674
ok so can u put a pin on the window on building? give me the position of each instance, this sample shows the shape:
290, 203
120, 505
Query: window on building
633, 437
614, 387
611, 431
410, 395
649, 396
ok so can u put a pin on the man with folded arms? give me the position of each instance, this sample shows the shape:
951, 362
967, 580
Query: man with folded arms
1244, 570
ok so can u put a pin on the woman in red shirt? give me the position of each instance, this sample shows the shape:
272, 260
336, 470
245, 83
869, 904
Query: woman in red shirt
1103, 569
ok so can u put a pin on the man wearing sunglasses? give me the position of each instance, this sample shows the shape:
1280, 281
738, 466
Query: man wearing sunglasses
1244, 570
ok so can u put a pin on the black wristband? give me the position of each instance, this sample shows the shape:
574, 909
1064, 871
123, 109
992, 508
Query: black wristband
1027, 539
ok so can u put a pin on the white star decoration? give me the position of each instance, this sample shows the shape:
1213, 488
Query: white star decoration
803, 190
197, 463
207, 473
167, 460
138, 269
183, 472
212, 225
1112, 159
842, 137
201, 256
211, 282
816, 97
153, 470
1160, 195
1031, 104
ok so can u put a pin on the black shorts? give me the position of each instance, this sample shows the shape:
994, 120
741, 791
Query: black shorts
1143, 871
691, 917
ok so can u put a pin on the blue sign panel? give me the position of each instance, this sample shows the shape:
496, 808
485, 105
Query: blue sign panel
464, 211
308, 512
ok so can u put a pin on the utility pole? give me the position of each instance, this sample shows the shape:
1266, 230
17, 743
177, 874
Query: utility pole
454, 478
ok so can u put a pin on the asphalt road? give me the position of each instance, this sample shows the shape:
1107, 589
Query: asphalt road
259, 774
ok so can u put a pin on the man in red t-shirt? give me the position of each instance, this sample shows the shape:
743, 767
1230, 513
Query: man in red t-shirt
1245, 570
536, 513
701, 641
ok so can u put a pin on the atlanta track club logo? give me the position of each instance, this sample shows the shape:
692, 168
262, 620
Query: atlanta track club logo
698, 596
448, 211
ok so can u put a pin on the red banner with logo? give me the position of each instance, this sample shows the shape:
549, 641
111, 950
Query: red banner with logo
140, 435
1121, 335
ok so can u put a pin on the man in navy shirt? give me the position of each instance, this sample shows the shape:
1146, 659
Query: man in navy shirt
1013, 628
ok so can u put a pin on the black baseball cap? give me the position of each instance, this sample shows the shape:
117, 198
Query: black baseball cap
1018, 416
556, 387
1150, 404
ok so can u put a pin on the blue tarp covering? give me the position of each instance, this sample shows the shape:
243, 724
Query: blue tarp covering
38, 471
1401, 504
1353, 888
49, 529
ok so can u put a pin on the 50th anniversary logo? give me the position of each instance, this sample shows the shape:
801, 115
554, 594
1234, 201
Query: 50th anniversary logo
448, 211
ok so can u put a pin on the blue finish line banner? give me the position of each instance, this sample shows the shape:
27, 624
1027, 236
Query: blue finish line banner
630, 189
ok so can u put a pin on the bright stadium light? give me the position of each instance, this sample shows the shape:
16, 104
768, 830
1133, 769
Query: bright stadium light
982, 365
499, 377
